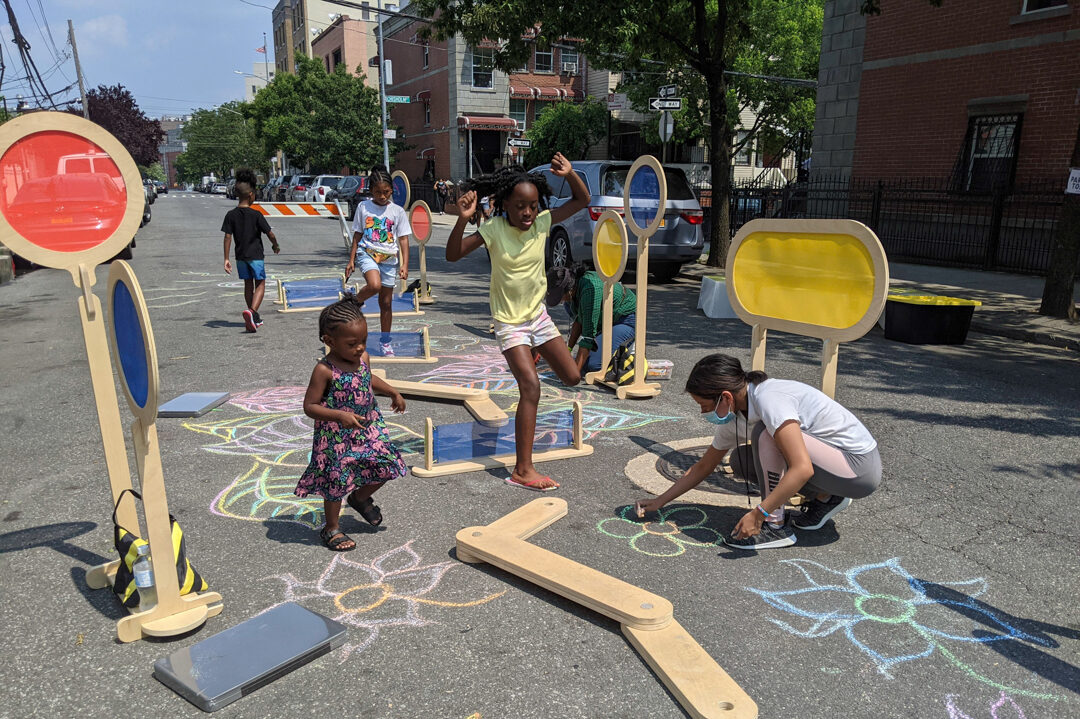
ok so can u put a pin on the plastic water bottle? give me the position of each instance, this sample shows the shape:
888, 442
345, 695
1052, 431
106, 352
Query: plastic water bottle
144, 579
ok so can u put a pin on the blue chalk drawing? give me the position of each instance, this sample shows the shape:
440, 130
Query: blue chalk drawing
884, 600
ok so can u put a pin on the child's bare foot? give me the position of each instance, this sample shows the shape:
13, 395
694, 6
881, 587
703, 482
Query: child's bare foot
531, 479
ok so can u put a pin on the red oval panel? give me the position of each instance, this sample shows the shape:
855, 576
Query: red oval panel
420, 221
61, 192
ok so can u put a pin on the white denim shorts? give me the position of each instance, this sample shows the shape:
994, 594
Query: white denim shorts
535, 332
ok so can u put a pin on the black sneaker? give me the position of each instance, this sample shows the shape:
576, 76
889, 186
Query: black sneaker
768, 538
817, 512
258, 319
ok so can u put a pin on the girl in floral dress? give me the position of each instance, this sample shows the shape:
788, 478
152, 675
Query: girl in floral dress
351, 453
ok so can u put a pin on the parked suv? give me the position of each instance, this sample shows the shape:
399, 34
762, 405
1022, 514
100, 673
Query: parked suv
298, 185
352, 190
316, 191
678, 240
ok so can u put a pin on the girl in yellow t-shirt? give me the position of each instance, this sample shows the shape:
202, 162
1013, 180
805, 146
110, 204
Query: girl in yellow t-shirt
516, 238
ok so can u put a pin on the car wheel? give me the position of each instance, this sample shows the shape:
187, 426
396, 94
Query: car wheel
559, 254
666, 271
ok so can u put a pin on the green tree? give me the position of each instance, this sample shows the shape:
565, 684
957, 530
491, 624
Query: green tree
154, 171
323, 121
568, 128
709, 38
219, 140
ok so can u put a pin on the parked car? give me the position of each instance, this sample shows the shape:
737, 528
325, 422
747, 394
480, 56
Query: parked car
161, 187
230, 188
678, 241
316, 191
219, 188
145, 209
268, 191
352, 190
149, 186
298, 185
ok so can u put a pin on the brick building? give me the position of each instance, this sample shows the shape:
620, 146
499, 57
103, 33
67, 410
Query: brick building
983, 92
462, 111
352, 42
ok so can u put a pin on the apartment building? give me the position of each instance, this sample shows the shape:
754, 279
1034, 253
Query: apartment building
296, 24
461, 110
985, 92
352, 42
260, 76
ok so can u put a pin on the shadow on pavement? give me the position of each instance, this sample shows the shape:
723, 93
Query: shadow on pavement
54, 536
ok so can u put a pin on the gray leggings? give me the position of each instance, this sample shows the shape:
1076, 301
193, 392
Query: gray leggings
836, 472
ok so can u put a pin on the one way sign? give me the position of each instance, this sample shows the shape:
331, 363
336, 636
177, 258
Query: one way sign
671, 103
515, 142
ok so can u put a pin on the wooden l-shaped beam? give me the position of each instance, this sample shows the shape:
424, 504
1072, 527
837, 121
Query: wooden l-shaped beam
703, 688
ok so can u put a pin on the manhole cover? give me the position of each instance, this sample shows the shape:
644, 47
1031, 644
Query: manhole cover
676, 463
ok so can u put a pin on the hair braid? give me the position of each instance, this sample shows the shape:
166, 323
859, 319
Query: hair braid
379, 173
717, 373
346, 310
499, 184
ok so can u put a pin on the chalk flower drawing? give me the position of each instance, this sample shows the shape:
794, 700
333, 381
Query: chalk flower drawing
389, 591
878, 606
666, 538
1003, 708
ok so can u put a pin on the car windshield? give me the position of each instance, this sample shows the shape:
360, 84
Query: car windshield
330, 181
305, 179
677, 186
80, 187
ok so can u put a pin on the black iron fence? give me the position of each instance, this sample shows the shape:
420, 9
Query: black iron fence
924, 221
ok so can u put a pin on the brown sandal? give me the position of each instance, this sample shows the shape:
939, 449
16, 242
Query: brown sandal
333, 540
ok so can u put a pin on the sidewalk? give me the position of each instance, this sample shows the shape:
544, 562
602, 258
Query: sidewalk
1009, 302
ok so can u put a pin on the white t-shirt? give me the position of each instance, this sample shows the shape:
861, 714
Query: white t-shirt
381, 226
776, 401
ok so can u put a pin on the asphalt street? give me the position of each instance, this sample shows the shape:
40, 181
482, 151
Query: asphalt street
950, 592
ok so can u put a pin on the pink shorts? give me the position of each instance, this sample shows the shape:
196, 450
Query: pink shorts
535, 332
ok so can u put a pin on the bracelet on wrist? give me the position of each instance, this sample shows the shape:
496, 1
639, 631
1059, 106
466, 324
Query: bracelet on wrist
762, 510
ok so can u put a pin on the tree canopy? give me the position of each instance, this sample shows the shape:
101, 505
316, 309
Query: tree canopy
115, 109
320, 120
703, 41
219, 140
568, 128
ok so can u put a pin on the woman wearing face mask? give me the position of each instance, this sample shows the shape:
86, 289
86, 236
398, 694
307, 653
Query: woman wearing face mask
801, 441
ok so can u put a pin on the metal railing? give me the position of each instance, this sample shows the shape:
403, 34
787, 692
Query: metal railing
924, 221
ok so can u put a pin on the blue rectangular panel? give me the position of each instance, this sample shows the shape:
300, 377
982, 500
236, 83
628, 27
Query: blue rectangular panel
401, 344
469, 440
401, 303
233, 663
192, 404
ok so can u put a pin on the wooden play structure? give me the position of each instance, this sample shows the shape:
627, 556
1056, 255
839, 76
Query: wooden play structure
818, 278
644, 201
77, 239
476, 401
492, 447
420, 221
700, 685
315, 294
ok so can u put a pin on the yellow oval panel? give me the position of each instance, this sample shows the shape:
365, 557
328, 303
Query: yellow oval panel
817, 279
609, 249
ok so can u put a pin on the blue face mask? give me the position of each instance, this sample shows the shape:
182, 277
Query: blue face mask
713, 418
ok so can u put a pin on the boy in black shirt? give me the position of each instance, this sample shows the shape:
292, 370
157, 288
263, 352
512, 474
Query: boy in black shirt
248, 226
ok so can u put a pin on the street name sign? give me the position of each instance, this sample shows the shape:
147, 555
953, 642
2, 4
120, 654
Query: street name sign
398, 99
674, 103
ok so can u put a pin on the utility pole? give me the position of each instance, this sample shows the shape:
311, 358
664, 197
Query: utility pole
78, 70
382, 90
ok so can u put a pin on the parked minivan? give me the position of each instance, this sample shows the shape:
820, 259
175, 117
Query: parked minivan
678, 241
298, 185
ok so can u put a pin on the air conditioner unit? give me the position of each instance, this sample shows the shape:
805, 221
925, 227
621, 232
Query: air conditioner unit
569, 68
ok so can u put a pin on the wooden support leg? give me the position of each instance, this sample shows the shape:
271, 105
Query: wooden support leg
829, 356
757, 348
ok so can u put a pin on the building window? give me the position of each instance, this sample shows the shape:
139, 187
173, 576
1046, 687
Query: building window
427, 114
742, 156
570, 61
989, 156
518, 109
427, 55
254, 89
759, 153
365, 12
483, 64
542, 61
336, 59
1035, 5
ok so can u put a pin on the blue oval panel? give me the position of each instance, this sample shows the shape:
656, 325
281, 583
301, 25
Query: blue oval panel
130, 344
400, 190
644, 196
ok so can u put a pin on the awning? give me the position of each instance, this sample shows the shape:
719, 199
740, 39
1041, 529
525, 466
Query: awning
549, 93
571, 94
521, 93
428, 153
423, 96
475, 122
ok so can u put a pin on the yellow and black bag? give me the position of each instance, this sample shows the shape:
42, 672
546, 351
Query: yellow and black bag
620, 369
127, 544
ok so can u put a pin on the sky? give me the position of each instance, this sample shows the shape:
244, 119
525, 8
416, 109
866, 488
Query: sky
173, 55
